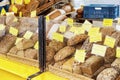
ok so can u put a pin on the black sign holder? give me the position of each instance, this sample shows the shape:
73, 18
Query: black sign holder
42, 46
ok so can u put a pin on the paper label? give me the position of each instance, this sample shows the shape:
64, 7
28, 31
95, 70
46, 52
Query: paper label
2, 27
62, 29
47, 18
3, 11
109, 41
118, 52
20, 2
13, 31
118, 27
36, 45
33, 13
9, 13
96, 37
79, 30
93, 31
58, 37
28, 35
18, 40
20, 14
15, 19
87, 25
12, 2
14, 9
27, 1
107, 22
73, 29
70, 21
80, 55
99, 50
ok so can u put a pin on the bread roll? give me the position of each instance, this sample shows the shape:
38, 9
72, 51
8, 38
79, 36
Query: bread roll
13, 50
21, 53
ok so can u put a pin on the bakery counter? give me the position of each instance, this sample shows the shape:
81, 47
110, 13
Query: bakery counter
15, 70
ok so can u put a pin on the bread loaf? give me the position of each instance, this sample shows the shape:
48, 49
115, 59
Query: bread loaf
6, 43
108, 74
49, 53
77, 68
91, 65
64, 53
56, 45
77, 39
25, 44
20, 53
68, 65
13, 50
31, 53
116, 64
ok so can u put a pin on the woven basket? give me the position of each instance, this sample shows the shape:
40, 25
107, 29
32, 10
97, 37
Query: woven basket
66, 74
23, 60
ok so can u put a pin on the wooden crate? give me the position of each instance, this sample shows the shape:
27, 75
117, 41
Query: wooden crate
23, 60
66, 74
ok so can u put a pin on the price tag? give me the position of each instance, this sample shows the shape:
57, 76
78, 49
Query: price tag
27, 1
47, 18
33, 13
3, 11
93, 31
2, 26
20, 2
20, 14
107, 22
28, 35
109, 41
62, 29
70, 21
96, 37
18, 40
9, 13
12, 2
14, 9
118, 20
99, 50
13, 31
73, 29
87, 25
36, 45
58, 37
118, 52
80, 55
118, 27
79, 30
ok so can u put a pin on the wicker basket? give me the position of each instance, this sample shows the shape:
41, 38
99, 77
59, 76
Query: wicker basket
66, 74
23, 60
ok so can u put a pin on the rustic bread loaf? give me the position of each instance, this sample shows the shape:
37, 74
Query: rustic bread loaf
91, 65
116, 64
64, 53
108, 74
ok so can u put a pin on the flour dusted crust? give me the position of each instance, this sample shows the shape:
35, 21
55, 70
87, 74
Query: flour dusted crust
116, 64
13, 50
110, 55
6, 43
64, 53
31, 53
50, 52
108, 74
107, 31
25, 44
56, 45
77, 39
91, 65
